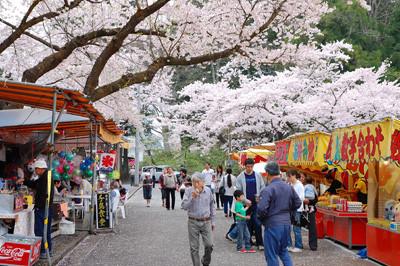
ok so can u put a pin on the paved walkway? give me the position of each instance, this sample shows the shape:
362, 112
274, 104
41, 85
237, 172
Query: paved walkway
157, 237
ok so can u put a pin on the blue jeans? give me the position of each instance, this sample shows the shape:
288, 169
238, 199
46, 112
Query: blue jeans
228, 200
39, 228
234, 233
275, 242
243, 235
298, 242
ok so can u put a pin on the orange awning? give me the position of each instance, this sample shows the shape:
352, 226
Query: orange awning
42, 97
39, 96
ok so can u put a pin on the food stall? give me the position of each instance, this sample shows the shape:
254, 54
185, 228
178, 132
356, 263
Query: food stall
372, 150
365, 151
307, 154
259, 153
60, 102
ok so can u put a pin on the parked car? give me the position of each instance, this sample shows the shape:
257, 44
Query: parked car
157, 173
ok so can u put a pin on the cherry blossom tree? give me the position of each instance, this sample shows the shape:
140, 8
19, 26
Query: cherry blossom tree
103, 46
314, 95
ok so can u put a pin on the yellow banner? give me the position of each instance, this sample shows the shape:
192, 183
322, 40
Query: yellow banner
365, 142
352, 148
109, 137
307, 150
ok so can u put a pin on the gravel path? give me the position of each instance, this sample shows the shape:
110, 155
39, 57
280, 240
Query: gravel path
157, 237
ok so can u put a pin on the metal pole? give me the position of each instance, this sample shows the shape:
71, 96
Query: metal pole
137, 165
91, 226
49, 178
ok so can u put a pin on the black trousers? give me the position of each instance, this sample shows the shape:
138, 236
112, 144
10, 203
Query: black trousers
312, 232
170, 195
182, 193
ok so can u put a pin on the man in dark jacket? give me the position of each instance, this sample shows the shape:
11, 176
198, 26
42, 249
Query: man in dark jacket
277, 201
41, 195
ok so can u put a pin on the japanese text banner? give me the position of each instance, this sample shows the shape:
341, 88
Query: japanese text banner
282, 152
308, 150
366, 142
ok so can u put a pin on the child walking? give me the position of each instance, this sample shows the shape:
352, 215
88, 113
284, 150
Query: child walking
243, 231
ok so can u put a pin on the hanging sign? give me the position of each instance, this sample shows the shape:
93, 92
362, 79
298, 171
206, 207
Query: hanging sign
107, 161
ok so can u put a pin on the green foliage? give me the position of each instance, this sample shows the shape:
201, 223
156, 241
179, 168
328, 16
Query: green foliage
374, 38
191, 160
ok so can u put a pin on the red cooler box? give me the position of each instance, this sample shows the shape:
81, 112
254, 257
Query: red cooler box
20, 250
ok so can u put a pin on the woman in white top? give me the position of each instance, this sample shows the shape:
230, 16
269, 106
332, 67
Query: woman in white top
228, 182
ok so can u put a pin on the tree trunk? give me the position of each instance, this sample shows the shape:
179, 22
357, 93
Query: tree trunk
165, 135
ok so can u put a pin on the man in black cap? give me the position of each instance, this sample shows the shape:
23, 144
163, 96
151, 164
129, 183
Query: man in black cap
277, 200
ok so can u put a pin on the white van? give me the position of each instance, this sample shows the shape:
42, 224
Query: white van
157, 170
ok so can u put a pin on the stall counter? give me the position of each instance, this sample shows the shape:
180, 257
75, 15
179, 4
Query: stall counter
344, 227
383, 245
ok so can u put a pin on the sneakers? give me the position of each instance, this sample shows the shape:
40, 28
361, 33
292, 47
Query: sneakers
260, 248
290, 249
247, 250
227, 236
295, 250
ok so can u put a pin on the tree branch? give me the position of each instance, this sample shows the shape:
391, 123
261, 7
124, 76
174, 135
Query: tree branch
30, 9
53, 60
36, 38
116, 43
24, 26
148, 74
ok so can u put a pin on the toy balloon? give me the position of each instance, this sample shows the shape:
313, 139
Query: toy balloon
71, 171
61, 154
56, 163
65, 176
56, 176
83, 167
67, 168
89, 173
88, 161
60, 169
69, 157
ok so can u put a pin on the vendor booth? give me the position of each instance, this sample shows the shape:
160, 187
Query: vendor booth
61, 115
372, 151
307, 154
260, 153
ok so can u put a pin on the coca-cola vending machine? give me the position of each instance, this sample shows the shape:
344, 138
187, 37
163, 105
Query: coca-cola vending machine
20, 250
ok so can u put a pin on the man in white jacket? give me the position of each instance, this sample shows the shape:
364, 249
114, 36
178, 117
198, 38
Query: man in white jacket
251, 183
